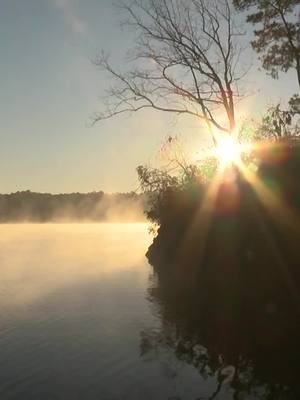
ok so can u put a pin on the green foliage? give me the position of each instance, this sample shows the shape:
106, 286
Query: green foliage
155, 180
158, 184
162, 186
277, 37
207, 168
278, 124
294, 104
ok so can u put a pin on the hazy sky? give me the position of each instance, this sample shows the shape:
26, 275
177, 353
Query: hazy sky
50, 89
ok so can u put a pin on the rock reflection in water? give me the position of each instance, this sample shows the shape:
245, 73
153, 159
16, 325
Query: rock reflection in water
252, 355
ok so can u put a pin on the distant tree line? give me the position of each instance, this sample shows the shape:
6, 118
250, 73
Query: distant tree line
45, 207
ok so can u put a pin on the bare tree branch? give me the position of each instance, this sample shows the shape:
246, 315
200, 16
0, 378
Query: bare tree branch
184, 62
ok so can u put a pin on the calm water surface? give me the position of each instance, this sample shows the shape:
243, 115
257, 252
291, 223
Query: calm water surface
75, 317
82, 316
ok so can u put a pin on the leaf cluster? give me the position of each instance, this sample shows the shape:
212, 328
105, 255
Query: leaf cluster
277, 37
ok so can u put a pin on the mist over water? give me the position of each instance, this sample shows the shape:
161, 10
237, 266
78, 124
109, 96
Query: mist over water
40, 259
30, 207
83, 316
73, 309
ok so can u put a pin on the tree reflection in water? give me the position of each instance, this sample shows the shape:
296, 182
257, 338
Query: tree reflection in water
247, 352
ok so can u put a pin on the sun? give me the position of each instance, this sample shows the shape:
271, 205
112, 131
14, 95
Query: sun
228, 151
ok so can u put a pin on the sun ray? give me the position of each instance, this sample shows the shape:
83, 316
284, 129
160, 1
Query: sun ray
194, 241
272, 201
281, 214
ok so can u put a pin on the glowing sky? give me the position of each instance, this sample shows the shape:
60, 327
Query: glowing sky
50, 89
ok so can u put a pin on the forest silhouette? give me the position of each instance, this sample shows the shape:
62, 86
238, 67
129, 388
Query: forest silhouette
29, 206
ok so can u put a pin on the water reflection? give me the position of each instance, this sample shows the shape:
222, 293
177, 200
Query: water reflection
72, 303
253, 355
79, 319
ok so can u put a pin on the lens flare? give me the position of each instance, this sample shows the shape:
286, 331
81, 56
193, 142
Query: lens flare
228, 151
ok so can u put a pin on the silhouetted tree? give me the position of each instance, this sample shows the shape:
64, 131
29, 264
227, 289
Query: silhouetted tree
278, 124
277, 39
186, 62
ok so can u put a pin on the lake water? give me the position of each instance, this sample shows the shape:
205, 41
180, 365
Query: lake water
74, 312
82, 316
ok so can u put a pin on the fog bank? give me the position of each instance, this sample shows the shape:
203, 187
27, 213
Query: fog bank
28, 206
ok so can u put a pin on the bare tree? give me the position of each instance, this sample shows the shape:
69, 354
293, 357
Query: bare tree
186, 62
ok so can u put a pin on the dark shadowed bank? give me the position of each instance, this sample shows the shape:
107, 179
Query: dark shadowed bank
28, 206
227, 264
